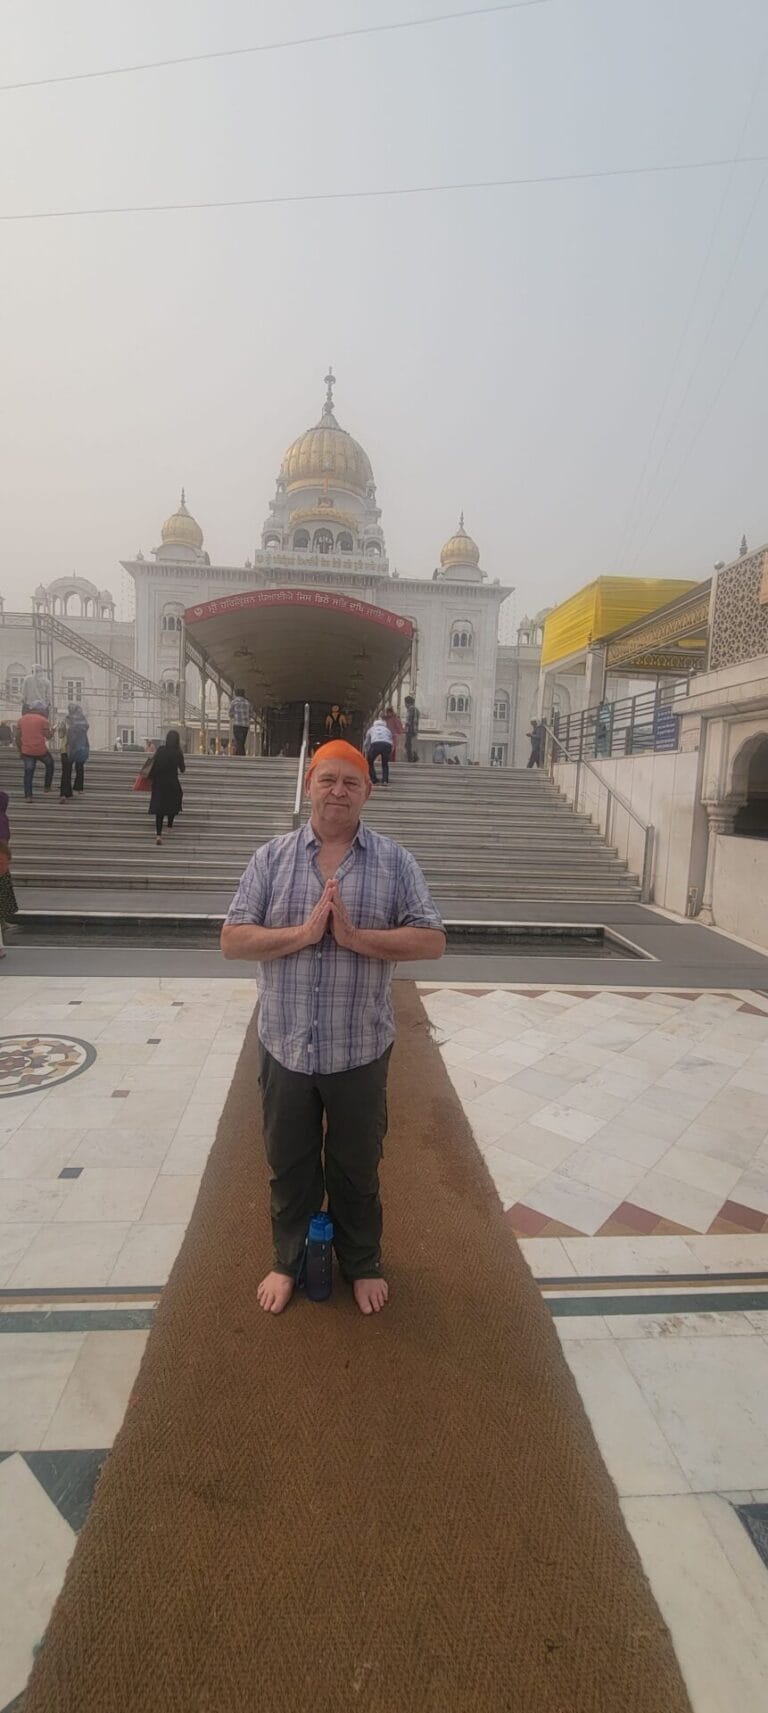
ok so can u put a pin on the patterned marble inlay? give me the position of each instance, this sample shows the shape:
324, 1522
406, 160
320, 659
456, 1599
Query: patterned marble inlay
31, 1063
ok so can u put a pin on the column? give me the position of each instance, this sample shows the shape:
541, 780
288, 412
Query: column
594, 690
721, 818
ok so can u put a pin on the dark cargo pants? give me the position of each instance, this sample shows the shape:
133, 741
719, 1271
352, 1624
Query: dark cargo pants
354, 1106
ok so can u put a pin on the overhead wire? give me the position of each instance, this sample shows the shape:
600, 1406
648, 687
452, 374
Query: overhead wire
391, 191
635, 512
274, 47
761, 305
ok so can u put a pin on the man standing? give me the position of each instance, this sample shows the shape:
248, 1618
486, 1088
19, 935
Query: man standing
32, 734
411, 728
240, 714
327, 911
536, 740
36, 692
378, 742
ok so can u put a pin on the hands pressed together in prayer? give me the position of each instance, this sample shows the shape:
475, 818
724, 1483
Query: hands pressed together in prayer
330, 910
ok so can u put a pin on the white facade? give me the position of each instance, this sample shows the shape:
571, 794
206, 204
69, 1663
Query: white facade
88, 614
324, 531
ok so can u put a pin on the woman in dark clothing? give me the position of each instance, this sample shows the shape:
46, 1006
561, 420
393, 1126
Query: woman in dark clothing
75, 751
165, 802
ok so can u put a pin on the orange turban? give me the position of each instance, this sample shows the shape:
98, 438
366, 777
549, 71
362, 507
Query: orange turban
338, 750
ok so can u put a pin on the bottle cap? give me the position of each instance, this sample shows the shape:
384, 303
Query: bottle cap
320, 1228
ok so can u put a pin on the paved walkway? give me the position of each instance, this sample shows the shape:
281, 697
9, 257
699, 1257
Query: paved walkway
627, 1134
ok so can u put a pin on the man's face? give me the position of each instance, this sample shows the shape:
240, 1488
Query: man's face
337, 791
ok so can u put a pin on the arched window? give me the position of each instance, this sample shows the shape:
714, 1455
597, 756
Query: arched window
271, 541
458, 699
301, 540
501, 706
322, 541
373, 549
14, 681
345, 543
170, 686
171, 621
462, 638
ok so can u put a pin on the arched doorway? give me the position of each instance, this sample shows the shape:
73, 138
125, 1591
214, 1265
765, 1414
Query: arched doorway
751, 820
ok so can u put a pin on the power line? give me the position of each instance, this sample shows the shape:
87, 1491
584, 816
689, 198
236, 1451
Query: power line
762, 303
274, 47
636, 509
702, 348
394, 191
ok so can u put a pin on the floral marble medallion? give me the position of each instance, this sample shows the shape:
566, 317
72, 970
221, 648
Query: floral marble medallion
31, 1063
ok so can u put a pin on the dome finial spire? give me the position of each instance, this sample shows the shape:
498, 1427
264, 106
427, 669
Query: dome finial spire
461, 520
330, 382
183, 505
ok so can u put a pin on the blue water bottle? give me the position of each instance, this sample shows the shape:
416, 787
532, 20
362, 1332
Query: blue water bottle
319, 1269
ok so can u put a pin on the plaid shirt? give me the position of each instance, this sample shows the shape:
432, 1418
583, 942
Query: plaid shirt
240, 711
326, 1008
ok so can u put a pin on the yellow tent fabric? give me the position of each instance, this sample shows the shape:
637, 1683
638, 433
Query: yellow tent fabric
602, 608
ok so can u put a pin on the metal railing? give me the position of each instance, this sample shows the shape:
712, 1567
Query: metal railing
302, 768
631, 726
556, 751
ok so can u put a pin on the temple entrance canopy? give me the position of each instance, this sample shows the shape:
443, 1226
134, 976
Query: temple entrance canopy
285, 647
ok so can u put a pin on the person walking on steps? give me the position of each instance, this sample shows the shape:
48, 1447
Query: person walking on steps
240, 715
167, 795
327, 911
75, 752
378, 743
411, 728
8, 906
396, 730
32, 735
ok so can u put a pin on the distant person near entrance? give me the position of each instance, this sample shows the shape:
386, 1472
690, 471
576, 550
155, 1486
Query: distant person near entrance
327, 912
36, 692
335, 724
378, 743
240, 716
536, 737
411, 728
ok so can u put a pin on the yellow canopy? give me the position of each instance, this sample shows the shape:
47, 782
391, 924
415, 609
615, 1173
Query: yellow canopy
602, 608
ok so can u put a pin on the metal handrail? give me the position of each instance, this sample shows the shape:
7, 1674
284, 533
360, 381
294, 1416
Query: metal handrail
302, 767
613, 796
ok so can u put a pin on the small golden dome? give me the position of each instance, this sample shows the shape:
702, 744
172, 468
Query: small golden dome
327, 453
460, 549
181, 530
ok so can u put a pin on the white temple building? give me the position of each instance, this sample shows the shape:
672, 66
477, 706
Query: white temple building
323, 532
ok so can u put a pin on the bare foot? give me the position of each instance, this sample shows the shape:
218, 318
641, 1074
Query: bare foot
275, 1292
370, 1294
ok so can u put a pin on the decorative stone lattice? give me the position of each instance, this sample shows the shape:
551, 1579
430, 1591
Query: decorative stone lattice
740, 622
30, 1063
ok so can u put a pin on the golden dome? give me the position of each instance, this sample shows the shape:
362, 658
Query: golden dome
181, 530
460, 549
327, 453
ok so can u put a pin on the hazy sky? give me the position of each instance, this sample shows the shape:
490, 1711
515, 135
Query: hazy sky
504, 350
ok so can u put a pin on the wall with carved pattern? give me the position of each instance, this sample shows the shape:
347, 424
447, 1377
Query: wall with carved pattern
740, 622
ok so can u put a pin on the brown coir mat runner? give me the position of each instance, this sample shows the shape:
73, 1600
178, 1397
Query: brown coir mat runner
323, 1513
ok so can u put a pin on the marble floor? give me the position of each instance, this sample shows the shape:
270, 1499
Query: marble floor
627, 1135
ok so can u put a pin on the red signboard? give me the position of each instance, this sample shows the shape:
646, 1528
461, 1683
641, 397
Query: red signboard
315, 598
